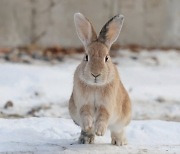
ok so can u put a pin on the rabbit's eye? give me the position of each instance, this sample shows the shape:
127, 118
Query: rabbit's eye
106, 58
86, 58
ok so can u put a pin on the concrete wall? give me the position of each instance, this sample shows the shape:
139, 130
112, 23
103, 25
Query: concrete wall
149, 23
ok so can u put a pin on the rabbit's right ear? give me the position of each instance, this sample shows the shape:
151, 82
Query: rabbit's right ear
84, 29
111, 30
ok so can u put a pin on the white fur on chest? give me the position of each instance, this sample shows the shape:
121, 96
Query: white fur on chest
94, 99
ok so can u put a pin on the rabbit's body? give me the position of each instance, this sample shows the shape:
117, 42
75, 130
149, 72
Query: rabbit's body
99, 100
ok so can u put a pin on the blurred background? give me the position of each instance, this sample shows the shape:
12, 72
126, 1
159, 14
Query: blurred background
154, 23
39, 51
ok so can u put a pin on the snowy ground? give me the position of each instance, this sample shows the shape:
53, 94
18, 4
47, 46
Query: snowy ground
43, 90
152, 79
52, 135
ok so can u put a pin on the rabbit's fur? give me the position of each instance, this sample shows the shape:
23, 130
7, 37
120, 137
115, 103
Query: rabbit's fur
99, 99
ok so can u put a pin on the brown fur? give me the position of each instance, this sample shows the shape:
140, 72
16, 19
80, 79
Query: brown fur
99, 103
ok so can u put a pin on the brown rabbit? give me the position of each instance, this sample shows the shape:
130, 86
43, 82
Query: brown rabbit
99, 99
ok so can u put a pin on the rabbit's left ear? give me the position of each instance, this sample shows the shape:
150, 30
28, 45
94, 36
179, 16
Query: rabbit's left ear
111, 30
84, 29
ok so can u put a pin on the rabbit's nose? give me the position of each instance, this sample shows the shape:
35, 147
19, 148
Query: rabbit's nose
95, 75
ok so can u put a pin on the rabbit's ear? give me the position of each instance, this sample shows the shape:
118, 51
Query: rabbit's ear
84, 29
111, 30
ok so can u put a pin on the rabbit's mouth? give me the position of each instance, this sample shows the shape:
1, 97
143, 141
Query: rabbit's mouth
94, 82
97, 82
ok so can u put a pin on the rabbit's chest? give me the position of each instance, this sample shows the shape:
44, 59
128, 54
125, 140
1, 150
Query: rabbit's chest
94, 99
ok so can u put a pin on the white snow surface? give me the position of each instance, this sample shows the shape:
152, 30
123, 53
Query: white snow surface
60, 135
151, 78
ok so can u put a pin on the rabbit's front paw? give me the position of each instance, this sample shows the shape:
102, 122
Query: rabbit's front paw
87, 124
100, 129
86, 138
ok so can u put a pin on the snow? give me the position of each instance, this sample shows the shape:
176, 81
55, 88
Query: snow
152, 79
21, 84
59, 134
42, 90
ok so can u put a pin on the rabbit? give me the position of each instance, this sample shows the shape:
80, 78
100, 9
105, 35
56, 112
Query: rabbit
99, 99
